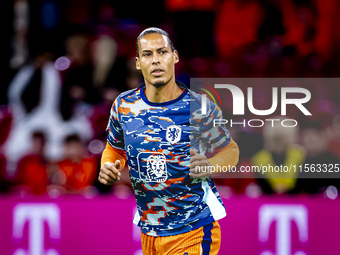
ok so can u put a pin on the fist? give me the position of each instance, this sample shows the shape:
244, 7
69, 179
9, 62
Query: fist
110, 172
199, 165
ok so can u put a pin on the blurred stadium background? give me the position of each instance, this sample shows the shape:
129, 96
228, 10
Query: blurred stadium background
64, 62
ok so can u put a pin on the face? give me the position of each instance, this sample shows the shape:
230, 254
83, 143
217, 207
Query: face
156, 60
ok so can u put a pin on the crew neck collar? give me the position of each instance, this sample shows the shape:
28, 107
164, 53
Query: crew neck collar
178, 83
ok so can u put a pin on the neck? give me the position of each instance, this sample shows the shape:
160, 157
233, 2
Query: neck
166, 93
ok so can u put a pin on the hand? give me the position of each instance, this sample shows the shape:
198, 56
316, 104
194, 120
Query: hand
110, 172
199, 165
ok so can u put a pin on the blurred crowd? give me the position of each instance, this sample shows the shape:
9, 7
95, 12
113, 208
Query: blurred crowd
54, 111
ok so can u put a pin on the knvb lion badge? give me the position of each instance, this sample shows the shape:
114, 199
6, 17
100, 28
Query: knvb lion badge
173, 134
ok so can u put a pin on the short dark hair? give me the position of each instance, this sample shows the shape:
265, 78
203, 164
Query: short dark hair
154, 30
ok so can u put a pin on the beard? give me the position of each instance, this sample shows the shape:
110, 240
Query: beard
159, 84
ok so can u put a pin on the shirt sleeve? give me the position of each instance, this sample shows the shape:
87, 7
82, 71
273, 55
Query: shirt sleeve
115, 136
214, 137
111, 154
227, 156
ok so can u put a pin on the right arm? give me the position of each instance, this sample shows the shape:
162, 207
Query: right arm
112, 162
114, 155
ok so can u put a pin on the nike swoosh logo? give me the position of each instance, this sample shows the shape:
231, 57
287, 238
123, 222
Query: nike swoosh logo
128, 133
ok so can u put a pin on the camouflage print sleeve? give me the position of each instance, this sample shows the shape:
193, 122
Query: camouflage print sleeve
114, 130
215, 135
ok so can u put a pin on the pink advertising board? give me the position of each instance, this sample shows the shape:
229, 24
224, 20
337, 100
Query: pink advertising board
73, 225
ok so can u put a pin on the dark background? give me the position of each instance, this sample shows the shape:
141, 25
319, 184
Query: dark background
230, 38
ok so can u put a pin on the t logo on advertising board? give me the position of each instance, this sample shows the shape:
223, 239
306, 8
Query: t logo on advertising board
284, 216
36, 215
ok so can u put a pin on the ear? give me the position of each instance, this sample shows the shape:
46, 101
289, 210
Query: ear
137, 63
176, 57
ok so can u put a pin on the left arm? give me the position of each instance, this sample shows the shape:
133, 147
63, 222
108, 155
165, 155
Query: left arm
200, 166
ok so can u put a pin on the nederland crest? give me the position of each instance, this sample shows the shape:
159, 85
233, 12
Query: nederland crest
173, 134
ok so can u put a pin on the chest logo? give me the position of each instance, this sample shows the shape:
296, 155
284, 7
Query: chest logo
152, 167
156, 168
173, 134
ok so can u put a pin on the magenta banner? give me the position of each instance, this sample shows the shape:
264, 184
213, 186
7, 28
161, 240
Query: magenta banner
72, 225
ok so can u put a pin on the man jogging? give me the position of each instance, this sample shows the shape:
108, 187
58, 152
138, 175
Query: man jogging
159, 131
